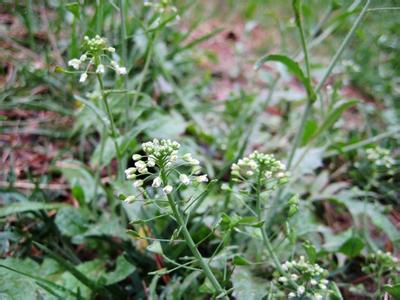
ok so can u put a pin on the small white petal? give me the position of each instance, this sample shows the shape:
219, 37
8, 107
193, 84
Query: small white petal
138, 183
167, 189
156, 182
202, 178
75, 63
100, 69
83, 77
184, 179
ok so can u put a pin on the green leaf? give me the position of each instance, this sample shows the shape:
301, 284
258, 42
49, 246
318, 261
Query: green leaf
374, 211
122, 270
293, 67
336, 294
352, 247
78, 273
28, 206
311, 251
73, 8
167, 126
25, 279
72, 222
310, 128
155, 247
240, 261
393, 290
334, 115
246, 286
77, 174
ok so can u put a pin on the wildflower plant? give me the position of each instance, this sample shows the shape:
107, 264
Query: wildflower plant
258, 175
163, 169
310, 280
95, 59
381, 265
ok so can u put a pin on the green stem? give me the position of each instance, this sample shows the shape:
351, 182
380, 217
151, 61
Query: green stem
112, 126
145, 69
189, 241
124, 55
328, 71
266, 240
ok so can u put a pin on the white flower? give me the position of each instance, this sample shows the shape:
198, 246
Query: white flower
194, 162
313, 282
83, 77
100, 69
83, 57
282, 279
322, 286
167, 189
156, 182
184, 179
317, 297
285, 266
151, 163
130, 171
249, 173
291, 295
300, 290
130, 199
121, 70
111, 49
324, 281
187, 157
75, 63
136, 156
294, 277
202, 178
138, 183
140, 164
131, 176
142, 170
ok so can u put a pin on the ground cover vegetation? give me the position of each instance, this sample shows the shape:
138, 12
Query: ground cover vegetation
199, 149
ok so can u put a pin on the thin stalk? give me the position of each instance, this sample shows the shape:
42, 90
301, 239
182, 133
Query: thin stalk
112, 125
265, 237
189, 241
342, 47
328, 71
297, 12
266, 240
145, 69
124, 55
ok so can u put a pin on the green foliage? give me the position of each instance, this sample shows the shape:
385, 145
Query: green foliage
298, 194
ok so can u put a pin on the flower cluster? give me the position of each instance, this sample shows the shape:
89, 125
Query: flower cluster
310, 280
95, 58
381, 261
380, 157
162, 6
260, 166
160, 162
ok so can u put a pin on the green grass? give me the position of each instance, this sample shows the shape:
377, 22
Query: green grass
314, 84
